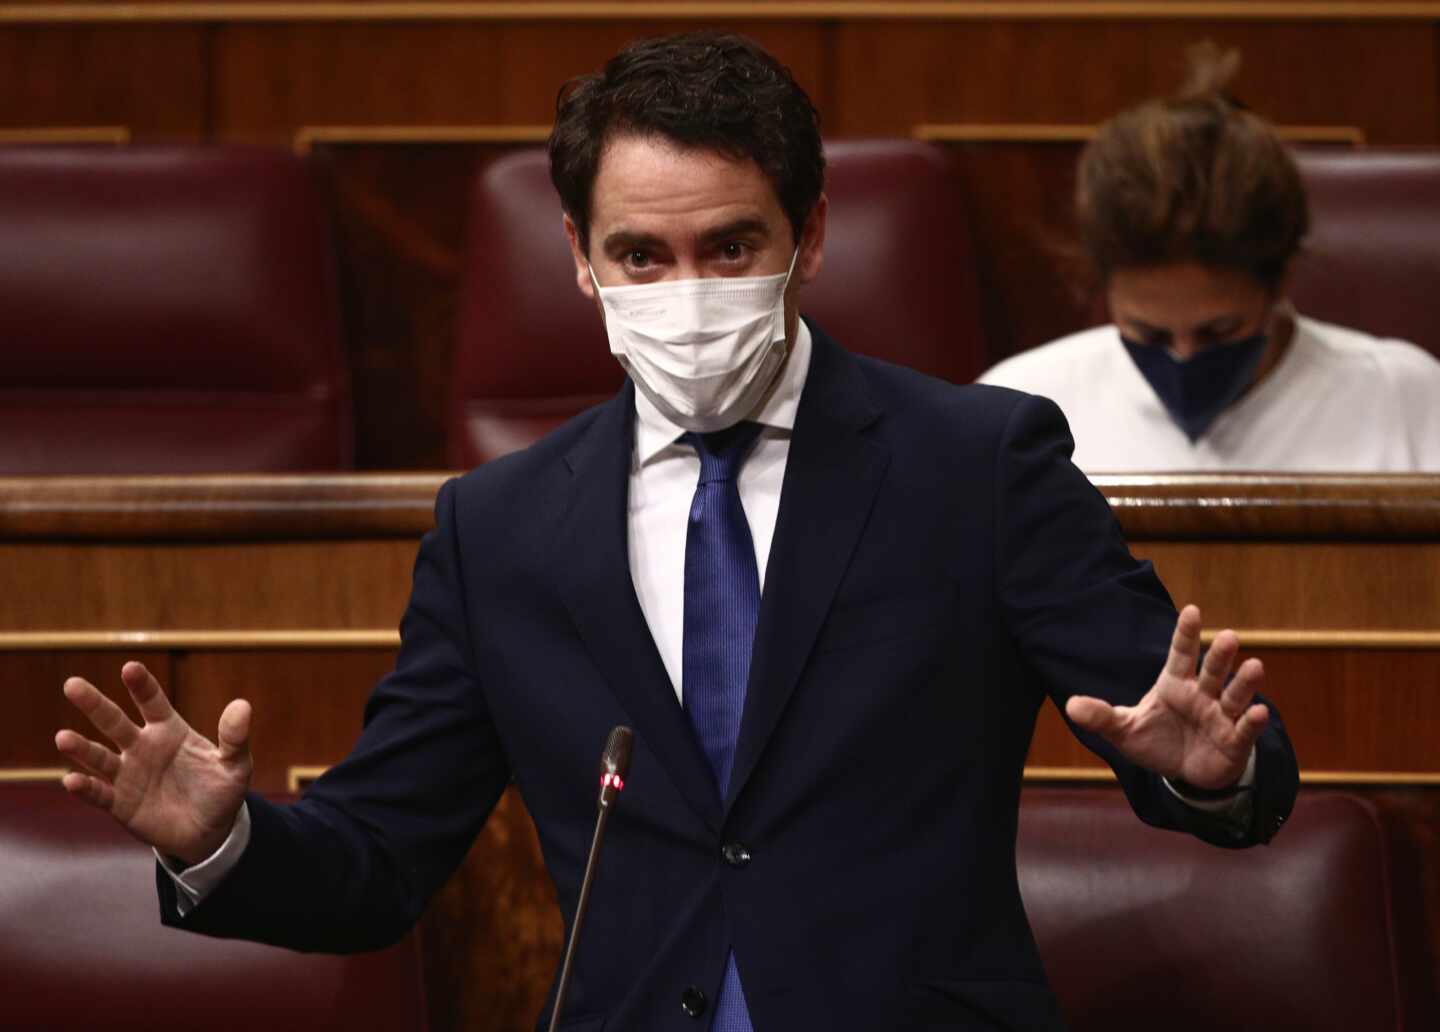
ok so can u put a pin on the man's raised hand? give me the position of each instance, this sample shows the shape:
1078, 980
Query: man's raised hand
1199, 728
169, 786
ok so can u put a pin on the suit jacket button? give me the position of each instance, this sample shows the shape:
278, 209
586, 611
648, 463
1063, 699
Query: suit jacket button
693, 1002
735, 854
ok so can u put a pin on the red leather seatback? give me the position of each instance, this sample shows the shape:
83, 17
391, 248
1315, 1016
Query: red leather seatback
1372, 261
81, 945
1146, 929
166, 310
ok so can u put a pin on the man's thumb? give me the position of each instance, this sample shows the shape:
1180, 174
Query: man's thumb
1090, 713
235, 730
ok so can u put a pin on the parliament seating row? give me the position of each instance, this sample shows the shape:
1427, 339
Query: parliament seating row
174, 309
1138, 928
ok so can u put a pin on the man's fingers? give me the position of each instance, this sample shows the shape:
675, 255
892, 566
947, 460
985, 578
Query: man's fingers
90, 756
1219, 661
234, 735
149, 697
109, 719
1254, 721
1236, 696
91, 789
1185, 644
1092, 714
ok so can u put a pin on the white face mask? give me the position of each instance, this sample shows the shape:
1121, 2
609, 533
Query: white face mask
703, 351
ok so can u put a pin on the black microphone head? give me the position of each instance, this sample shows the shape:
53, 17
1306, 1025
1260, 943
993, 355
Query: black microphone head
616, 758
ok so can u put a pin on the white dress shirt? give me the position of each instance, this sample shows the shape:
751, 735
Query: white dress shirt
663, 475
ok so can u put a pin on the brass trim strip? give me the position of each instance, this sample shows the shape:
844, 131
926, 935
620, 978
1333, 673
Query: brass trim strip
301, 772
774, 10
113, 135
1099, 775
1019, 132
1264, 638
21, 775
281, 640
306, 137
301, 639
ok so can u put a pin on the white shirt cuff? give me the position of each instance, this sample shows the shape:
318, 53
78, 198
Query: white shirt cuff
1221, 806
195, 883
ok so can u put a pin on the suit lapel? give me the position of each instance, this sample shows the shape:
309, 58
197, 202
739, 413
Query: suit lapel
831, 477
593, 560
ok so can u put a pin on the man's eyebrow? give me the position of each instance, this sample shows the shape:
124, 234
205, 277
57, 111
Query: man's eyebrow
748, 225
629, 240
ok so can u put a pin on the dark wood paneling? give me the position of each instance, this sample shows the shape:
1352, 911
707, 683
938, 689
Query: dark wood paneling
1346, 711
307, 705
347, 584
492, 936
271, 79
1304, 585
150, 78
893, 75
35, 708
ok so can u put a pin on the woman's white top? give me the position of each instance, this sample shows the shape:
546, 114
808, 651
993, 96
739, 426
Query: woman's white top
1338, 401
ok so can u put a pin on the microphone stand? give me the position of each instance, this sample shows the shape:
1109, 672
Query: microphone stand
614, 765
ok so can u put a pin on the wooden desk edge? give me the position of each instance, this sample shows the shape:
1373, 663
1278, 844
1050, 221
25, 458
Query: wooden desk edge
361, 505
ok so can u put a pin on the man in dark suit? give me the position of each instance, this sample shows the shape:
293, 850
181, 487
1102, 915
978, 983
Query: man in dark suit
828, 593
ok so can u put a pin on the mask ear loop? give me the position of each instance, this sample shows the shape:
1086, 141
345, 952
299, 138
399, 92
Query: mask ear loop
791, 271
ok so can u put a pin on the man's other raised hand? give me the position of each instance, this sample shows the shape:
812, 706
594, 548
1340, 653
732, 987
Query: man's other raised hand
1195, 724
166, 784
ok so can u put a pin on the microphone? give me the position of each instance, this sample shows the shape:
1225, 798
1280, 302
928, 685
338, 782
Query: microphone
614, 767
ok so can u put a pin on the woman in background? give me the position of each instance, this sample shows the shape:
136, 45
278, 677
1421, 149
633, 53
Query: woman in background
1191, 212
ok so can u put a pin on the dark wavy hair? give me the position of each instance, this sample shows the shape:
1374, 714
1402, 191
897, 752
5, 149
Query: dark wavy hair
709, 90
1194, 177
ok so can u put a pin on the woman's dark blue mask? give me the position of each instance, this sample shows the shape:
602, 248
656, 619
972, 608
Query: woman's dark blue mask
1196, 390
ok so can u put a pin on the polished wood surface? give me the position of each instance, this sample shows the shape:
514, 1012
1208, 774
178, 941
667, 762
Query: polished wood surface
287, 591
150, 80
1080, 73
206, 508
1266, 507
253, 508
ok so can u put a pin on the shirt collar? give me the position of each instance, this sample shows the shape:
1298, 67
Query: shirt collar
654, 432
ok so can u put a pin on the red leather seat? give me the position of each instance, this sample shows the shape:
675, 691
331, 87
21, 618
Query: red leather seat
166, 310
898, 282
81, 945
1372, 260
1146, 929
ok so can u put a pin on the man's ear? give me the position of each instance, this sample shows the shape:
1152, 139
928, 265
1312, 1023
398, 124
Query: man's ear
582, 264
812, 242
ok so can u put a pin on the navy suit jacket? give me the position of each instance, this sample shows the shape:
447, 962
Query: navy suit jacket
938, 569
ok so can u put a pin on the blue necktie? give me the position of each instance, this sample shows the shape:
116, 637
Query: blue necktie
722, 604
